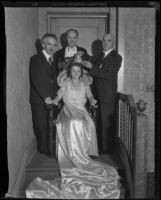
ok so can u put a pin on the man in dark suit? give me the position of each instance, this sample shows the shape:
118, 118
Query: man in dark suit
104, 68
71, 48
43, 88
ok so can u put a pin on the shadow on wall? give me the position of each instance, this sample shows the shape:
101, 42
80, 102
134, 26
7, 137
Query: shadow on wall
96, 47
38, 46
63, 39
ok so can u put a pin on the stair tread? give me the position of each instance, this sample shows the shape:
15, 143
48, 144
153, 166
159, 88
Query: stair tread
48, 168
42, 162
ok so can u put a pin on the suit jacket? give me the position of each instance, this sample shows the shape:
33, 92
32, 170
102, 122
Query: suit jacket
43, 81
105, 77
61, 53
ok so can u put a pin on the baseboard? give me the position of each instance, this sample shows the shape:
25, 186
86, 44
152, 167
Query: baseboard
28, 154
151, 185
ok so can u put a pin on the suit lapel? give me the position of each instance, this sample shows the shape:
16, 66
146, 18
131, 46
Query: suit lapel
107, 59
45, 64
63, 53
54, 70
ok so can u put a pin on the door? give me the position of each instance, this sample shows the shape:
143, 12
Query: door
91, 30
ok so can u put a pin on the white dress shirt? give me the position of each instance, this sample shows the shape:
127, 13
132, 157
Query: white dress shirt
69, 52
107, 52
47, 56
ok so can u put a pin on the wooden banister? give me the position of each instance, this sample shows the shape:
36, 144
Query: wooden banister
126, 132
127, 116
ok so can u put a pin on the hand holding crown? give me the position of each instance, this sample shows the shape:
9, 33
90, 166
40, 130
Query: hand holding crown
87, 64
78, 58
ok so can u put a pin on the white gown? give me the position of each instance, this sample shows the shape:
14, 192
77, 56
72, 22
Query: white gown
81, 177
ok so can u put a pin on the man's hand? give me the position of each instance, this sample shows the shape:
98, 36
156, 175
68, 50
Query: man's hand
87, 64
48, 100
55, 101
93, 102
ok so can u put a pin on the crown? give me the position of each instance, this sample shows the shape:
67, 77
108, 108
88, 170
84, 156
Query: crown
69, 60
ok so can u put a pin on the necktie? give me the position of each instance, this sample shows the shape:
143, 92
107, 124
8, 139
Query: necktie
50, 61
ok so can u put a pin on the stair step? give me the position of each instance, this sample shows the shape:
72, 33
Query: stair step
48, 168
42, 161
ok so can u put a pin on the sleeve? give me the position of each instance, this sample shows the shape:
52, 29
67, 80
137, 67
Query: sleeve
37, 79
106, 72
61, 92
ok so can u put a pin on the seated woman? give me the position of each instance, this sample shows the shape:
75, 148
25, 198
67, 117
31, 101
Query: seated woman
81, 177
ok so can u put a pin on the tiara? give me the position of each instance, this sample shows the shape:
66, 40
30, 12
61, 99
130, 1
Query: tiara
78, 56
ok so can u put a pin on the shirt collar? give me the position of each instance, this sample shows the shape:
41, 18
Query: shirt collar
46, 54
71, 48
107, 52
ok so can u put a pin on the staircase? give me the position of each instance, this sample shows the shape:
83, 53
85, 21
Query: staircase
47, 168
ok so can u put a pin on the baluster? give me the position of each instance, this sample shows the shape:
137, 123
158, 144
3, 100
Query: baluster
129, 135
127, 127
132, 132
128, 132
119, 117
121, 120
125, 139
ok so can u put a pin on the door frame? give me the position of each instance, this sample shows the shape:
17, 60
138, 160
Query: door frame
104, 15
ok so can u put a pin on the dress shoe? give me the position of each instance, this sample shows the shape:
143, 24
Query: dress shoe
101, 152
42, 151
93, 157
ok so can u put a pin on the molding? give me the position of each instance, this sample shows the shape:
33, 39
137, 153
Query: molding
93, 14
28, 155
77, 14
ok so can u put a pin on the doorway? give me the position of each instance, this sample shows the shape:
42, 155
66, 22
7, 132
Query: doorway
91, 28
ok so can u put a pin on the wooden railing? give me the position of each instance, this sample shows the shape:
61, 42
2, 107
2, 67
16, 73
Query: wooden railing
126, 132
127, 116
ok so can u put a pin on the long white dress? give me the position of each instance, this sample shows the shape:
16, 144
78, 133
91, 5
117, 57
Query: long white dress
81, 177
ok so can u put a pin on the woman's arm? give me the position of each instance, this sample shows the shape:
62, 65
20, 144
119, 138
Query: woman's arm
90, 97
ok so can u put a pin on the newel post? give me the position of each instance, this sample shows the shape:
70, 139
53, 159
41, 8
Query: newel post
140, 164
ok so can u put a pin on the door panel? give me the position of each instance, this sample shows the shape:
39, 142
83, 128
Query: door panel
90, 29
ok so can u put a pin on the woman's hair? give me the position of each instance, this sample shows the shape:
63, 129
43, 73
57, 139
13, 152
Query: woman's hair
69, 69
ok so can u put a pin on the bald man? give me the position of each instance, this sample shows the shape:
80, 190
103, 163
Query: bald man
104, 68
